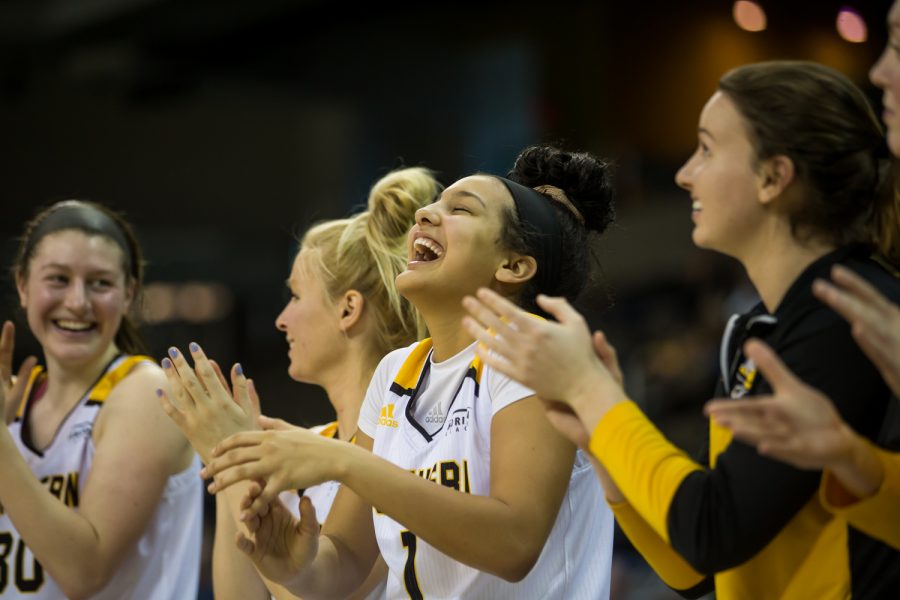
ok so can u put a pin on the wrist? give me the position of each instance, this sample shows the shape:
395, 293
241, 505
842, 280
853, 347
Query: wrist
594, 398
856, 466
347, 458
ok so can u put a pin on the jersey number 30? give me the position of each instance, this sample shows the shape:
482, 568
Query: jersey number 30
23, 584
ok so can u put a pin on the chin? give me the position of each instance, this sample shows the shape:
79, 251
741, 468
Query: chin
893, 141
697, 238
73, 354
295, 373
407, 285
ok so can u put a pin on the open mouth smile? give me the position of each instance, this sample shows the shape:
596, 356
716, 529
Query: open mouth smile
426, 250
74, 326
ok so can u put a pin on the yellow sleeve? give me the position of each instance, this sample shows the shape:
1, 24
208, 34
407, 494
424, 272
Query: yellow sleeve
879, 514
667, 563
645, 466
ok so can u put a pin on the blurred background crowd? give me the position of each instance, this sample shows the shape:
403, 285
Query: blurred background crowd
223, 128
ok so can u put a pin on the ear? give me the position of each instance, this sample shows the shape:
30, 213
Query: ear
774, 176
516, 269
351, 306
130, 286
22, 290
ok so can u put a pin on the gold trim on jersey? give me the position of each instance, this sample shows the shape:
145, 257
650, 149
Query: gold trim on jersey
36, 371
408, 375
329, 430
479, 367
97, 394
102, 388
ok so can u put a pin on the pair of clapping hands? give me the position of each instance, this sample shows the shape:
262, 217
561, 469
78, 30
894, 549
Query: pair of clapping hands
235, 442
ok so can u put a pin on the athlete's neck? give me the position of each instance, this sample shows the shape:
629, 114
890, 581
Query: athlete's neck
447, 334
775, 269
347, 390
68, 381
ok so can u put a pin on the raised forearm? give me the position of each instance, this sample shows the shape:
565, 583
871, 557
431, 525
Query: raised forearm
497, 540
876, 513
333, 573
645, 467
858, 468
65, 542
610, 489
665, 561
234, 576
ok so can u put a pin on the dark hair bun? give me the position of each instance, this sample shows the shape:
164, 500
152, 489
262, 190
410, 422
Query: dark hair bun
586, 180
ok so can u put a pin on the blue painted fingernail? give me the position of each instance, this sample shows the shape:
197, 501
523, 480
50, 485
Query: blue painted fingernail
238, 369
194, 347
173, 352
166, 363
159, 392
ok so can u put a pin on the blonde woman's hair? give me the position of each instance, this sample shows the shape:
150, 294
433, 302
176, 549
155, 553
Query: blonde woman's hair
366, 252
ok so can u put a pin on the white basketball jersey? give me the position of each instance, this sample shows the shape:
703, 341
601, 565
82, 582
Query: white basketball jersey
165, 562
575, 561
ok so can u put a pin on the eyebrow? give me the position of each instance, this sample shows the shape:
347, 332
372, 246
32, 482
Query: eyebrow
55, 266
707, 132
63, 267
471, 195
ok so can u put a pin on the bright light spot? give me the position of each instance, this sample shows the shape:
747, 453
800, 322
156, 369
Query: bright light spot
850, 26
749, 16
193, 302
159, 303
200, 302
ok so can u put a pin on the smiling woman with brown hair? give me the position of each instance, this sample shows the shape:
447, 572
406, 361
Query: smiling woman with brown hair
124, 504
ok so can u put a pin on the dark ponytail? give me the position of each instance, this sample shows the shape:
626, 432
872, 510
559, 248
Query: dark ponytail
586, 182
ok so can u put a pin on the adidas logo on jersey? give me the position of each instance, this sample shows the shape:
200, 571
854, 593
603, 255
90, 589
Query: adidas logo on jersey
435, 416
387, 417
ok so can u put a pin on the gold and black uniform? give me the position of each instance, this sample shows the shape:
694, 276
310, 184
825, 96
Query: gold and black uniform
755, 526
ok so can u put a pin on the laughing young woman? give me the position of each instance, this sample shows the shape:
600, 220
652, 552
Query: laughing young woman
474, 494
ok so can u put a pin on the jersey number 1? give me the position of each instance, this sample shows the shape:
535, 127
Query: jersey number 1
409, 571
25, 586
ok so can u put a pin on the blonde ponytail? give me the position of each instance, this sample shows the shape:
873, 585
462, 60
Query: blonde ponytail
367, 251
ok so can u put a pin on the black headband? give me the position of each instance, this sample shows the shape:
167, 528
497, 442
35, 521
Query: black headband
73, 214
536, 211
